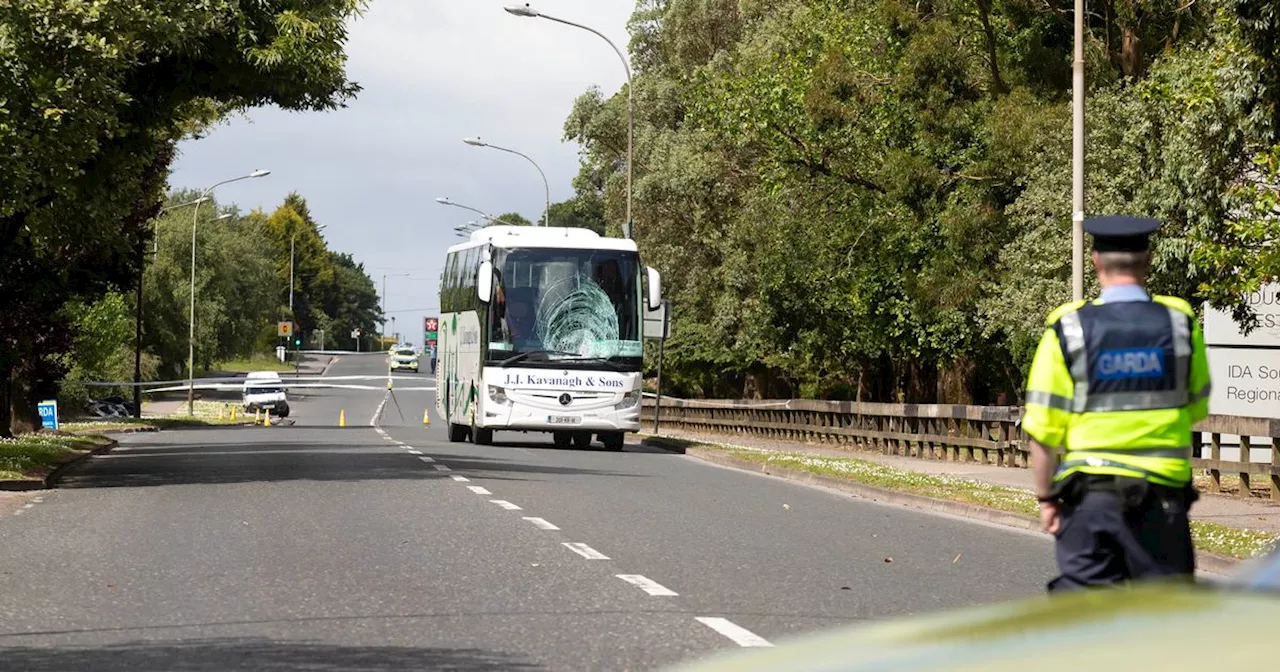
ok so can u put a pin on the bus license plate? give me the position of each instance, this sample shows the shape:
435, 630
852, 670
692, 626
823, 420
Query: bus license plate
564, 419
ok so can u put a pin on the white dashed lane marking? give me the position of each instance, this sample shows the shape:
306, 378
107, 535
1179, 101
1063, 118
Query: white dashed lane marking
541, 524
479, 490
426, 459
440, 467
505, 504
740, 635
647, 585
460, 479
414, 452
585, 550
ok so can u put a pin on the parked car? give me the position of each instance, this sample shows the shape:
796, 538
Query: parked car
265, 391
404, 358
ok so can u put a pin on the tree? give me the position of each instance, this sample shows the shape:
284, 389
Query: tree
93, 97
872, 200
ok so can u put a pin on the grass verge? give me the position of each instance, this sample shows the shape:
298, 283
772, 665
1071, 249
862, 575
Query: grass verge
1211, 537
207, 413
34, 456
255, 363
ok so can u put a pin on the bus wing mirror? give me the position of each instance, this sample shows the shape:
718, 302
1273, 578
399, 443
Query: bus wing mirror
655, 289
484, 283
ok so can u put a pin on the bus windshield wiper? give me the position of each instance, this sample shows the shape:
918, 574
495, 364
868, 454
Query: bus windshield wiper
526, 355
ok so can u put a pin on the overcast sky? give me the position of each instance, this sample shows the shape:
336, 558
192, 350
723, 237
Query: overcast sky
433, 72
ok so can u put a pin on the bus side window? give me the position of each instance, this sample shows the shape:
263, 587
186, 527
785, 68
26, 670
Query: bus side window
446, 284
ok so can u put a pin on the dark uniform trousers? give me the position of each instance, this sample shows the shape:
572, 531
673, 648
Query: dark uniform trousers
1115, 530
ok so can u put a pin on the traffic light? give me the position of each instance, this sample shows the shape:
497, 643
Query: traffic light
297, 342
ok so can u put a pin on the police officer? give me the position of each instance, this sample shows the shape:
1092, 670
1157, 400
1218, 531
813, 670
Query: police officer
1116, 385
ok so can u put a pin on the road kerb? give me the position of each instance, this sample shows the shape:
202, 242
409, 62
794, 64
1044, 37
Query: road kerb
1206, 561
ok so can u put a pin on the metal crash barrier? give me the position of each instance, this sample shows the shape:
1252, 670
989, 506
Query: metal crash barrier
989, 435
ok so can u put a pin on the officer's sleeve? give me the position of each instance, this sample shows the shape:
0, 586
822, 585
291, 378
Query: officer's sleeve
1050, 389
1199, 384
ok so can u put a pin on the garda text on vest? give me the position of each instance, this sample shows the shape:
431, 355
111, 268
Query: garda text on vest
1130, 363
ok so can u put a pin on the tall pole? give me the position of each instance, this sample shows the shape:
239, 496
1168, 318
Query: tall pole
1077, 158
291, 239
137, 342
546, 215
191, 334
528, 11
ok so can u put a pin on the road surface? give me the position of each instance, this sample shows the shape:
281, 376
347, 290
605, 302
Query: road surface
311, 547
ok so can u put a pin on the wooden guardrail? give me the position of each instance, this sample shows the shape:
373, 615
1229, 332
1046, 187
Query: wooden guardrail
982, 434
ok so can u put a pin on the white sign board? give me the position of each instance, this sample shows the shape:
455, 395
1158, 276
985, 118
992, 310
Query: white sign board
1220, 329
1246, 382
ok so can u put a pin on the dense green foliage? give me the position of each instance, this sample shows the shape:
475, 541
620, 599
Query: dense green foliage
93, 98
871, 199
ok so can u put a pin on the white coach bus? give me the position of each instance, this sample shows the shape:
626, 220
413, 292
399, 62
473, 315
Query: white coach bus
541, 331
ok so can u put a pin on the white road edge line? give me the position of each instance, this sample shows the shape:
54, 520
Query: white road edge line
584, 550
505, 504
647, 585
377, 412
541, 523
479, 490
740, 635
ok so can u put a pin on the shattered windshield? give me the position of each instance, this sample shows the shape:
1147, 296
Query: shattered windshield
560, 305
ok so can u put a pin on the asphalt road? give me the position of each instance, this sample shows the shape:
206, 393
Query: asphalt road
308, 547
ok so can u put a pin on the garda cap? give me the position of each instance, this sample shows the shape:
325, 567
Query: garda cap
1121, 233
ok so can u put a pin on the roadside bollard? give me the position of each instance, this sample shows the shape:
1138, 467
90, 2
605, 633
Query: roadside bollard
233, 413
266, 418
257, 416
426, 417
342, 418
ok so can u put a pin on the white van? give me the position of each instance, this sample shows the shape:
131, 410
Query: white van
265, 391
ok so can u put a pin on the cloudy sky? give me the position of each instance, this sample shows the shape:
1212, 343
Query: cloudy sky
433, 72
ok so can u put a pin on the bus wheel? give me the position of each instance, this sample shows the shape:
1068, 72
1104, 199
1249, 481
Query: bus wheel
457, 433
582, 441
612, 440
482, 437
562, 439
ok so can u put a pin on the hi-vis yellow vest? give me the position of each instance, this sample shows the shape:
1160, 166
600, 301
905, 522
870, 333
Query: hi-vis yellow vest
1118, 386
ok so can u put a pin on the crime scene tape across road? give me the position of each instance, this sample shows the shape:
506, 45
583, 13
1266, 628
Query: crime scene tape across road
291, 382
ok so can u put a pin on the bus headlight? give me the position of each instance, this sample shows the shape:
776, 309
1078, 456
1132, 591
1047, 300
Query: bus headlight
629, 400
497, 394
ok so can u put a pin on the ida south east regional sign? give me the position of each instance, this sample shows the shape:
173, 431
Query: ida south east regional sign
1245, 370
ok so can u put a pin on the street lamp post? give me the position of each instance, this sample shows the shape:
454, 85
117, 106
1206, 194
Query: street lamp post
137, 339
477, 142
444, 200
191, 335
1077, 158
528, 11
384, 297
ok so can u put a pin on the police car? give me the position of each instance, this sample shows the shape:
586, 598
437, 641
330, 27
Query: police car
403, 358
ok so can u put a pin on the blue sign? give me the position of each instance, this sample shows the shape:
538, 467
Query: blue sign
48, 413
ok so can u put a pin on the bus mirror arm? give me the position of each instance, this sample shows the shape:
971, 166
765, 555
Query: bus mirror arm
484, 281
655, 289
